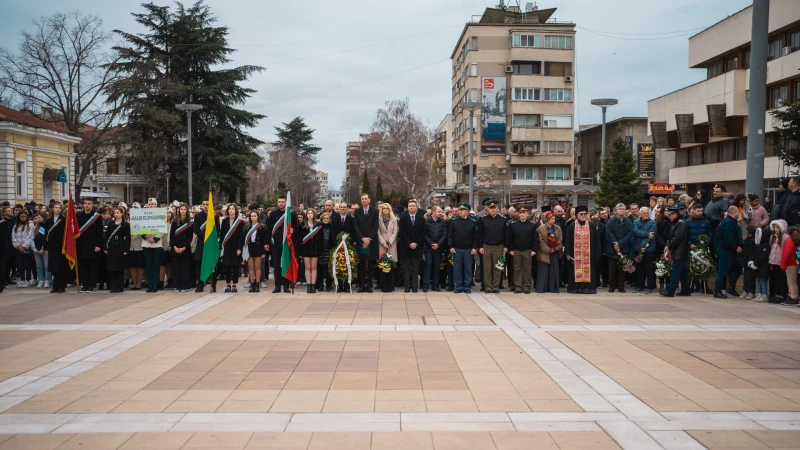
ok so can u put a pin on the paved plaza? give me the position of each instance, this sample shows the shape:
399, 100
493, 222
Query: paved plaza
394, 371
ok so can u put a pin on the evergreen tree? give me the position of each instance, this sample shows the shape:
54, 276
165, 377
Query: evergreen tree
296, 135
365, 188
176, 60
378, 190
619, 180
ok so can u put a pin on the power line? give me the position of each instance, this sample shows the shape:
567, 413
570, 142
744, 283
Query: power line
640, 34
637, 39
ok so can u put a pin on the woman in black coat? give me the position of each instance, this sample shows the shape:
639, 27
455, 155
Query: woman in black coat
255, 241
309, 245
56, 261
116, 245
180, 242
231, 242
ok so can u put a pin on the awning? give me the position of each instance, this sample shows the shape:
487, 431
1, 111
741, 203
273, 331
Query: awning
98, 194
53, 174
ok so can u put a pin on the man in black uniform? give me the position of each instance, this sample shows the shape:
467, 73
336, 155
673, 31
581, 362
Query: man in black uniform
522, 241
462, 238
491, 237
199, 229
88, 245
275, 247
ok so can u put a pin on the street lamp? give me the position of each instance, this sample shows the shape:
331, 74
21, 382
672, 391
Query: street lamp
189, 107
167, 174
603, 103
471, 106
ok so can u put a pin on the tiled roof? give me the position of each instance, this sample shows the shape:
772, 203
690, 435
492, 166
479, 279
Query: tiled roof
25, 118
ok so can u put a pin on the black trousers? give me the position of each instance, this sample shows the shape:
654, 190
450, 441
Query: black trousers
87, 271
411, 272
116, 280
603, 271
213, 278
3, 272
324, 277
181, 271
366, 269
60, 279
231, 273
646, 272
616, 275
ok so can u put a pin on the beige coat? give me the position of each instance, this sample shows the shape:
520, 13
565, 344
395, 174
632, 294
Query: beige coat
543, 255
388, 235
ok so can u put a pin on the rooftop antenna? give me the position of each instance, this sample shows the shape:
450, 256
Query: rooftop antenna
501, 6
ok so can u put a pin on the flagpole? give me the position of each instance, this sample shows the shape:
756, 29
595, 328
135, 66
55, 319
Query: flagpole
77, 278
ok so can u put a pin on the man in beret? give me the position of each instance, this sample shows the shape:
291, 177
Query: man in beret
491, 237
522, 241
462, 238
582, 254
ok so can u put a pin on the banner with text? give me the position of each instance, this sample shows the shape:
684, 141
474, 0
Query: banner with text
646, 156
149, 221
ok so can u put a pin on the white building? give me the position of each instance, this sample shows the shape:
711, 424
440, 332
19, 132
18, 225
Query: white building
322, 179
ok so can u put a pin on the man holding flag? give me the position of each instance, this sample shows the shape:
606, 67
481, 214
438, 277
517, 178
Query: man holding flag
71, 232
207, 250
279, 227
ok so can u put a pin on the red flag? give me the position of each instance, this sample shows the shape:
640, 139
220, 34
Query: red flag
291, 272
71, 232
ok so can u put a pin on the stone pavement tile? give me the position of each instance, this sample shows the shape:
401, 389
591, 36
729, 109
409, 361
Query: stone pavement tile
340, 441
91, 405
406, 440
279, 441
344, 406
35, 441
462, 440
145, 395
33, 407
204, 395
156, 441
596, 440
261, 406
443, 406
515, 440
502, 405
394, 395
142, 406
553, 406
776, 438
193, 406
99, 441
218, 440
728, 439
403, 406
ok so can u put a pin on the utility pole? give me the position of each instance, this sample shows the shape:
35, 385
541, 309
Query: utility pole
604, 103
188, 107
471, 106
757, 104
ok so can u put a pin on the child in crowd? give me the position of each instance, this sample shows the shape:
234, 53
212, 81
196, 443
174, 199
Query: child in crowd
789, 264
778, 286
39, 247
750, 249
760, 263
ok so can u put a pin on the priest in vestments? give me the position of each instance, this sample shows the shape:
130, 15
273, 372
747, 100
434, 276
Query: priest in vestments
582, 247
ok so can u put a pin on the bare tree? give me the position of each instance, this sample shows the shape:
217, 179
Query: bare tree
61, 68
283, 168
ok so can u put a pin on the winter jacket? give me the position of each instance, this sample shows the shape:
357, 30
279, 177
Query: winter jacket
761, 259
619, 231
641, 232
749, 249
39, 239
729, 236
662, 236
792, 216
697, 226
714, 210
601, 231
437, 233
789, 257
760, 217
462, 234
678, 243
22, 236
776, 245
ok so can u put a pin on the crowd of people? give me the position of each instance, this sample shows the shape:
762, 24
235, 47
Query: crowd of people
432, 249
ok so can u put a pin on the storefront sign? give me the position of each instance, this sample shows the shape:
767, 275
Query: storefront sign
646, 155
149, 221
493, 149
660, 188
527, 199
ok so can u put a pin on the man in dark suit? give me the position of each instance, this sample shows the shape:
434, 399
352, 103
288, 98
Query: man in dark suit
342, 221
366, 233
88, 245
411, 244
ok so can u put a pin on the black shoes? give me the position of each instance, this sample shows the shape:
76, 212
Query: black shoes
611, 290
665, 293
277, 290
407, 290
451, 289
436, 289
227, 289
234, 289
732, 293
199, 288
790, 302
719, 294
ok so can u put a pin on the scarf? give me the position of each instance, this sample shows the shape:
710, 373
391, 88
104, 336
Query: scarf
582, 252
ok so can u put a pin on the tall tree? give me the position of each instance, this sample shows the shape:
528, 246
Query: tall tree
178, 59
61, 68
378, 190
365, 185
619, 180
297, 135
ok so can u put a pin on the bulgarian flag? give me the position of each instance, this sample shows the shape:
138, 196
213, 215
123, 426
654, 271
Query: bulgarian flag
288, 260
210, 243
71, 232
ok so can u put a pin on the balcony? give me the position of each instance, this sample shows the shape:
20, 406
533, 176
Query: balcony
545, 159
541, 134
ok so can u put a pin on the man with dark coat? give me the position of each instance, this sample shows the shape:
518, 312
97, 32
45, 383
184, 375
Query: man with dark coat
342, 221
462, 238
602, 215
435, 244
792, 213
582, 254
491, 240
199, 229
729, 245
522, 242
5, 240
88, 245
619, 233
275, 247
678, 251
411, 244
717, 206
366, 242
56, 261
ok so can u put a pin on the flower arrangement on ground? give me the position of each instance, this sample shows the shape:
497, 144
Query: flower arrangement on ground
702, 263
501, 263
663, 267
386, 263
626, 263
343, 259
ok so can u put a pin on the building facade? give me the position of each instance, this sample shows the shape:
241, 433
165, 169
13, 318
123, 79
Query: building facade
520, 66
700, 131
37, 159
116, 177
589, 141
322, 179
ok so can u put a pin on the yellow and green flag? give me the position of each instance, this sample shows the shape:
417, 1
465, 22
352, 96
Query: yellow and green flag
210, 243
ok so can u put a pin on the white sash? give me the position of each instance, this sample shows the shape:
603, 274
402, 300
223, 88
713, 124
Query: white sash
347, 261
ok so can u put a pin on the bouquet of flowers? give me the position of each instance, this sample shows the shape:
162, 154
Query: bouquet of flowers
702, 263
445, 259
386, 263
640, 255
626, 263
552, 240
501, 263
343, 259
663, 267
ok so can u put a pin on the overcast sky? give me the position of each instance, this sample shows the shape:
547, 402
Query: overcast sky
335, 62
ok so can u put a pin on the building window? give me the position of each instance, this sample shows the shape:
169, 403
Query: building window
558, 173
797, 90
473, 95
558, 95
562, 42
525, 173
557, 121
112, 166
727, 151
474, 42
713, 70
526, 68
778, 96
682, 158
556, 147
774, 49
65, 186
696, 156
557, 69
746, 59
526, 121
741, 149
526, 94
22, 180
525, 148
473, 70
526, 40
710, 154
794, 40
731, 63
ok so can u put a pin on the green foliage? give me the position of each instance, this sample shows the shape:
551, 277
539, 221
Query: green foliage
789, 132
182, 57
261, 200
365, 186
378, 190
619, 180
297, 135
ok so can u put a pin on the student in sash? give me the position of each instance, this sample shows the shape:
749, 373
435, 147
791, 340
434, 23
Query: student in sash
180, 238
199, 228
230, 244
88, 245
39, 248
255, 239
275, 227
309, 247
56, 261
102, 272
165, 271
116, 246
324, 277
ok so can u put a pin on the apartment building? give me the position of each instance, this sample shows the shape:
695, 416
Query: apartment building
700, 131
519, 65
322, 179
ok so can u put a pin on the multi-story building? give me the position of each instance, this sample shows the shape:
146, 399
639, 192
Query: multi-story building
336, 196
589, 141
322, 179
700, 131
442, 177
361, 154
115, 176
519, 65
